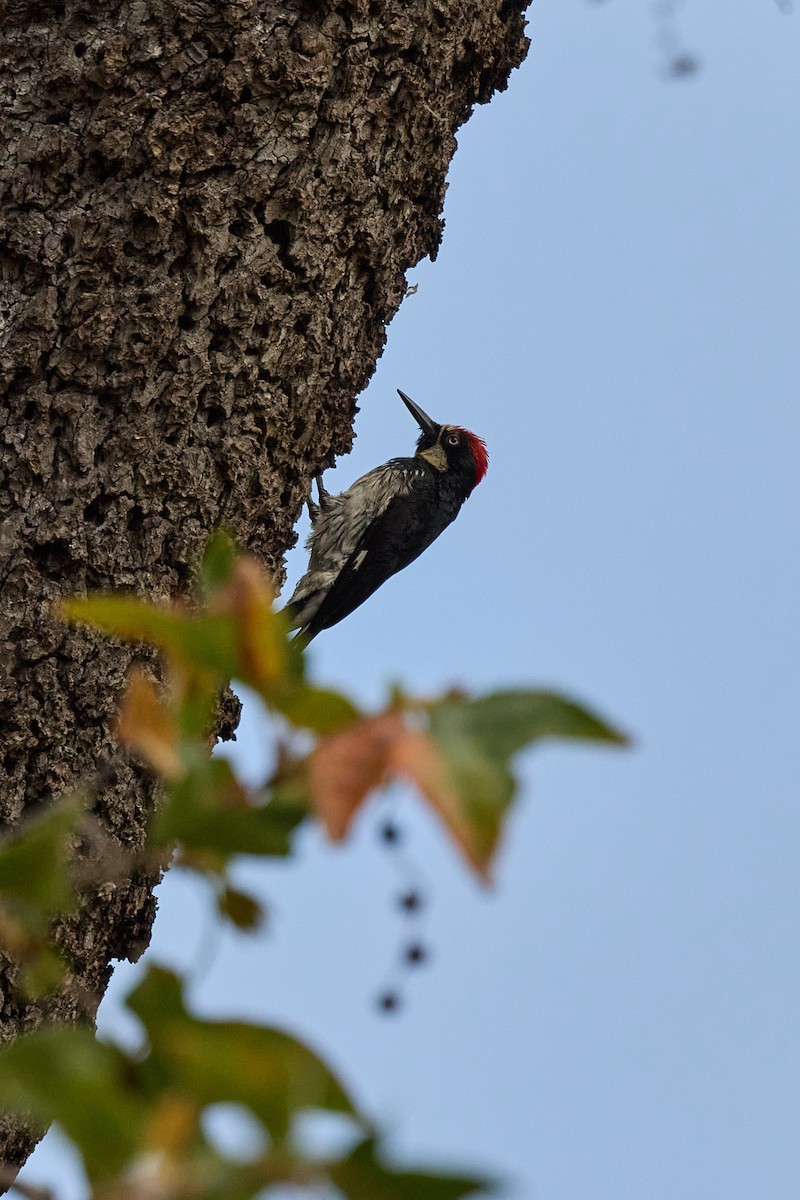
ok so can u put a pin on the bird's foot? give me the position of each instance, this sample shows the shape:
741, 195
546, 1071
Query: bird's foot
324, 497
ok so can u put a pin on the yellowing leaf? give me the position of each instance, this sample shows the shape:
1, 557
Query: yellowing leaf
172, 1124
146, 726
475, 831
345, 768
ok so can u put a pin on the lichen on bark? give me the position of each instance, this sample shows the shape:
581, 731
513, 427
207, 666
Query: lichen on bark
208, 211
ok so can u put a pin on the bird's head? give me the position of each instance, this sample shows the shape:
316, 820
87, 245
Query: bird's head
449, 447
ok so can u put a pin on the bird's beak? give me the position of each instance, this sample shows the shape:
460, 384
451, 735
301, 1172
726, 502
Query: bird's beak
422, 418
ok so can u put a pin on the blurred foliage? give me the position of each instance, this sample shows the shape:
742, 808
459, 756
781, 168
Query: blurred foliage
137, 1117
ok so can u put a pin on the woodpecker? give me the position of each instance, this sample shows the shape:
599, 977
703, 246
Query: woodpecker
383, 521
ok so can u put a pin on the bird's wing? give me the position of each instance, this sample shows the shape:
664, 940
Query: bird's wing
394, 539
339, 526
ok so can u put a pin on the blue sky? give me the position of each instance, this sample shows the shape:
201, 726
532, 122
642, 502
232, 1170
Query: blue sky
616, 310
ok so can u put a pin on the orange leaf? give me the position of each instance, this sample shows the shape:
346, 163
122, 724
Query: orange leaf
248, 597
345, 768
417, 756
145, 725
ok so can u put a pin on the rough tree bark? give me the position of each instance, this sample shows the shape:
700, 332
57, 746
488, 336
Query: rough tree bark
208, 208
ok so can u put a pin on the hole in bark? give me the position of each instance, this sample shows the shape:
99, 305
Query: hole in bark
185, 322
261, 329
271, 444
144, 298
221, 128
370, 283
262, 373
280, 232
100, 167
51, 557
142, 220
135, 520
227, 54
100, 455
261, 425
246, 95
95, 512
299, 428
30, 410
219, 340
128, 249
80, 49
465, 67
302, 323
238, 227
67, 242
215, 416
260, 210
12, 759
58, 118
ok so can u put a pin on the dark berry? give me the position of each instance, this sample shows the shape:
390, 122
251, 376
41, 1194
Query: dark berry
410, 902
389, 833
415, 954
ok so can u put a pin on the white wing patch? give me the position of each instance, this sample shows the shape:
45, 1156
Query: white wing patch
359, 560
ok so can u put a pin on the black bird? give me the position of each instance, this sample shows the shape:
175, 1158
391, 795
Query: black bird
383, 521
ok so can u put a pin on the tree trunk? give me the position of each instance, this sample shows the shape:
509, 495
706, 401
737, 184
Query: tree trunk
208, 210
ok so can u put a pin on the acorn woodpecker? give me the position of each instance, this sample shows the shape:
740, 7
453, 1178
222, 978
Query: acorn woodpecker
383, 521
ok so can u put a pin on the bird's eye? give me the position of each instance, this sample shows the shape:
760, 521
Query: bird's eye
453, 439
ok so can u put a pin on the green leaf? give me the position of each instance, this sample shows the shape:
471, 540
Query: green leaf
319, 709
65, 1075
35, 887
269, 1072
503, 723
43, 970
362, 1176
34, 862
207, 641
241, 909
477, 738
216, 566
209, 810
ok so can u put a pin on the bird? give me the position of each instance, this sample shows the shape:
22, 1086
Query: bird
383, 521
